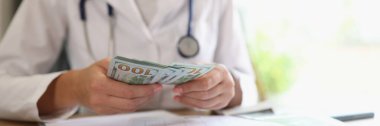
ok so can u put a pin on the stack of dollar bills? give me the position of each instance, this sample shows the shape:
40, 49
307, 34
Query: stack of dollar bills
132, 71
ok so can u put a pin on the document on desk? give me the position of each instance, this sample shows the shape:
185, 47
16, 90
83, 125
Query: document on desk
160, 118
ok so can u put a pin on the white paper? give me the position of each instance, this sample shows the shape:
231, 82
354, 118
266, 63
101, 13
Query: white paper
111, 119
160, 118
246, 109
198, 121
301, 120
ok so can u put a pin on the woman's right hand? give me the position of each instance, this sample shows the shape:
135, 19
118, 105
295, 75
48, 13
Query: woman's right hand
92, 88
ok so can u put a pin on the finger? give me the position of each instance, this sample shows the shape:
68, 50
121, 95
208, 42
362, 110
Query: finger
219, 106
123, 90
127, 105
144, 90
106, 110
104, 63
206, 95
203, 104
204, 83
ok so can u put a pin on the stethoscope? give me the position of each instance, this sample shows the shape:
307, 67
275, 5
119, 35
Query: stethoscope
187, 46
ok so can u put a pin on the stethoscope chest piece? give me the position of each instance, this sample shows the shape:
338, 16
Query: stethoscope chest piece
188, 47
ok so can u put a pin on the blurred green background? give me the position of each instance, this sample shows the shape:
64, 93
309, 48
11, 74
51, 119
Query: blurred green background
315, 54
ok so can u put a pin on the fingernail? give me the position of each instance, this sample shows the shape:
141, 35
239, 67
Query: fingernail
178, 90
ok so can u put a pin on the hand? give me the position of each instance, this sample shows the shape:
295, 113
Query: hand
215, 90
106, 96
92, 88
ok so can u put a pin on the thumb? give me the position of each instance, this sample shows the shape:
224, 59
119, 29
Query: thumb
104, 63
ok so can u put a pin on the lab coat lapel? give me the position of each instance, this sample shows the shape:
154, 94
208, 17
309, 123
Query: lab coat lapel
129, 9
166, 10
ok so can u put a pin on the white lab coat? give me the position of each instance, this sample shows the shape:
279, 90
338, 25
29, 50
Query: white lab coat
35, 37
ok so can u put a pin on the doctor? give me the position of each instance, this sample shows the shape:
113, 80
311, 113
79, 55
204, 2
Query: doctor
164, 31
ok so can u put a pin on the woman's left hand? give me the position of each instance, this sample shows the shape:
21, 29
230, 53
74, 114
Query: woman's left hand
214, 90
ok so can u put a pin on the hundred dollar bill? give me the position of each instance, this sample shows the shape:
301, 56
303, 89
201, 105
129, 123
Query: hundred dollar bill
174, 73
191, 72
133, 71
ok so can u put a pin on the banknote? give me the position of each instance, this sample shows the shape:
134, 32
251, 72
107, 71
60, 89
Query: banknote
132, 71
191, 72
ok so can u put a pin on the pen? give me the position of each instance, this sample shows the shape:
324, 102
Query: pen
354, 116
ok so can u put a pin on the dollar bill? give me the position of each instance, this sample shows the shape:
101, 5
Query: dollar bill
132, 71
174, 73
191, 72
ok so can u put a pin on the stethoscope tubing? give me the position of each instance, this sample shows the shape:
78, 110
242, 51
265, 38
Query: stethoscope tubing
189, 30
112, 44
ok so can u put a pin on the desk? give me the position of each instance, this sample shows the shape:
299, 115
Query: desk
16, 123
20, 123
368, 122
